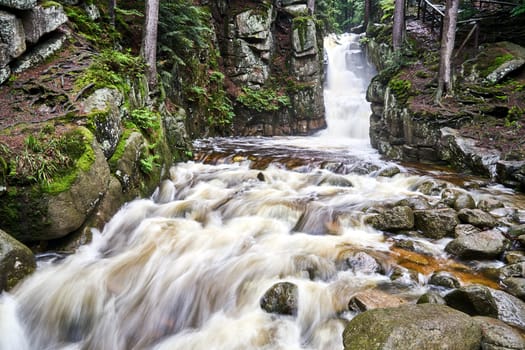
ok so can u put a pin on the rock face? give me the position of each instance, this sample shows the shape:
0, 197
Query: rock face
16, 261
21, 30
427, 326
261, 44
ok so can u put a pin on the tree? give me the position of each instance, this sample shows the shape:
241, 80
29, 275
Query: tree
149, 41
398, 29
445, 81
367, 13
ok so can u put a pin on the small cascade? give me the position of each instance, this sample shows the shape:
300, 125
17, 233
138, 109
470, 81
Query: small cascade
347, 78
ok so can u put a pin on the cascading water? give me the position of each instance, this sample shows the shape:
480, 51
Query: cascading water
188, 268
347, 77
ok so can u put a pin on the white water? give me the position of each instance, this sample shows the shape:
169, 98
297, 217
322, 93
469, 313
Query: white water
187, 268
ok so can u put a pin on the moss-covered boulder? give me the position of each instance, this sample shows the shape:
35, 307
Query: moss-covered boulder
412, 327
16, 261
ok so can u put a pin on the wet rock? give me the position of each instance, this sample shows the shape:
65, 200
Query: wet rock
488, 204
18, 4
431, 187
103, 105
12, 34
16, 261
376, 92
513, 270
457, 199
515, 286
363, 263
42, 20
478, 300
514, 257
281, 299
517, 230
477, 217
373, 299
389, 171
431, 298
511, 173
436, 223
497, 335
412, 327
314, 267
397, 218
521, 239
465, 229
335, 180
444, 279
463, 151
126, 168
478, 245
416, 203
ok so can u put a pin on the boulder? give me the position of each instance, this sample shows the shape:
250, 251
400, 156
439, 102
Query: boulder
363, 263
42, 20
444, 279
103, 105
436, 223
126, 166
12, 34
412, 327
511, 173
478, 300
515, 286
397, 218
496, 335
5, 72
68, 210
373, 299
281, 299
457, 199
18, 4
503, 70
512, 270
431, 298
476, 217
16, 261
478, 245
488, 204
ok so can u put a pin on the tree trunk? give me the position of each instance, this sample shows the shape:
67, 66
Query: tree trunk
368, 11
112, 4
149, 41
445, 81
398, 29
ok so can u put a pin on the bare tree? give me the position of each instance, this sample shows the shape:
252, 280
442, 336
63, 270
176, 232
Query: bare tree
445, 81
367, 14
149, 41
112, 4
398, 29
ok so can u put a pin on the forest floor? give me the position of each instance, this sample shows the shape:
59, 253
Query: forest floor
493, 114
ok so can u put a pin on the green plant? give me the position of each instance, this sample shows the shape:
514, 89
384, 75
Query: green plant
387, 9
145, 119
263, 99
519, 9
401, 88
148, 163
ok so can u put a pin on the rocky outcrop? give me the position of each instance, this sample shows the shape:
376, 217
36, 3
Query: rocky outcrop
412, 327
16, 261
22, 25
273, 54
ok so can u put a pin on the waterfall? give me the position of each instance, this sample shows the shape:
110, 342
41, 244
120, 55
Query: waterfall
348, 74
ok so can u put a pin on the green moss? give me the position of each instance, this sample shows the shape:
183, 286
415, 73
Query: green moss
121, 146
47, 4
401, 88
301, 24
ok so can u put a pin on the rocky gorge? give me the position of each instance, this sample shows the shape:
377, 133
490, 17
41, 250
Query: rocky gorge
119, 144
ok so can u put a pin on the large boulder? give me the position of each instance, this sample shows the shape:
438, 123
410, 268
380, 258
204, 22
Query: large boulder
478, 300
436, 223
12, 34
42, 20
412, 327
16, 261
479, 245
397, 218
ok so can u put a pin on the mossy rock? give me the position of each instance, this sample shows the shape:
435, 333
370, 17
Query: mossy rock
16, 261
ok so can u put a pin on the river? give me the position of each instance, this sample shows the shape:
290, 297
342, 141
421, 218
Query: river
187, 268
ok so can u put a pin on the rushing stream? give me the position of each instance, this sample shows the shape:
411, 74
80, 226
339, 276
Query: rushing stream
187, 268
